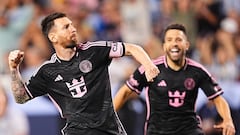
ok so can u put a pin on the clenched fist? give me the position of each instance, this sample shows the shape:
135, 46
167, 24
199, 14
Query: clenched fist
151, 72
15, 58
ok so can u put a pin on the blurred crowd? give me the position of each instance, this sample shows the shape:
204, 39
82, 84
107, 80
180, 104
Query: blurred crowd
213, 30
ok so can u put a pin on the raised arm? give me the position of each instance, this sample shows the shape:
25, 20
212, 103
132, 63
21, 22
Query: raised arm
122, 96
18, 87
224, 111
151, 70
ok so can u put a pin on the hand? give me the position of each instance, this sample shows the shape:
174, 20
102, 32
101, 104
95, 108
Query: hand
227, 128
151, 72
15, 58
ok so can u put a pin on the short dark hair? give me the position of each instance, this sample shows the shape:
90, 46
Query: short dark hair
48, 22
176, 26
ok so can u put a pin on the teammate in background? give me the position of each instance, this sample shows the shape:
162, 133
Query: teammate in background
76, 78
172, 95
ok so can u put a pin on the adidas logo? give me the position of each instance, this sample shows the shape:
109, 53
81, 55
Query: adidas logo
58, 78
162, 83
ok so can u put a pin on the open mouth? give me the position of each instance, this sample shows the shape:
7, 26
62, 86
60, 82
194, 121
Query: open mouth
175, 51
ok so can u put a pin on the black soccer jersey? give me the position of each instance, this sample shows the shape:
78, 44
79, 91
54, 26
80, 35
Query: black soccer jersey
80, 87
172, 95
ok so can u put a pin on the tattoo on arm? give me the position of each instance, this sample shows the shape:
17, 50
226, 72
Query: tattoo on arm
18, 88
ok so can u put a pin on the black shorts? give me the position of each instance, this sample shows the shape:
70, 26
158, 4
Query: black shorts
108, 128
90, 132
197, 131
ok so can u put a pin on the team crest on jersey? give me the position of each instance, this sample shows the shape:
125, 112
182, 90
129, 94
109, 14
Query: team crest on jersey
85, 66
189, 83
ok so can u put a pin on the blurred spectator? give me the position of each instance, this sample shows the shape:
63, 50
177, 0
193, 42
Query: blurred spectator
163, 17
219, 55
109, 21
136, 21
12, 120
159, 21
34, 57
236, 41
185, 13
209, 14
14, 19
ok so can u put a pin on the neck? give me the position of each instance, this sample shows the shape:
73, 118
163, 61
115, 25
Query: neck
176, 65
65, 53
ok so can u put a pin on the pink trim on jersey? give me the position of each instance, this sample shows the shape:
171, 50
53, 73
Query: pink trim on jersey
196, 64
116, 47
27, 90
62, 130
58, 107
214, 95
148, 111
132, 88
90, 44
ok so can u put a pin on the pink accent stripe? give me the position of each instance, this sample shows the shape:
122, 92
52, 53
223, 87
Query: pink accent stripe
216, 94
64, 128
132, 88
148, 111
200, 121
58, 107
159, 60
29, 93
196, 64
90, 44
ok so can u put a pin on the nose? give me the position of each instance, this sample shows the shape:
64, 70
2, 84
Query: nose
73, 29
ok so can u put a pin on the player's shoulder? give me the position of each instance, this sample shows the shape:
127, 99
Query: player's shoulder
193, 63
196, 65
159, 60
54, 59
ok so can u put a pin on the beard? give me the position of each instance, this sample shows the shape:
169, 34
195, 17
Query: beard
177, 59
71, 45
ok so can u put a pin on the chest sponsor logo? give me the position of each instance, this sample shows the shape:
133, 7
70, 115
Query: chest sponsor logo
77, 88
176, 99
85, 66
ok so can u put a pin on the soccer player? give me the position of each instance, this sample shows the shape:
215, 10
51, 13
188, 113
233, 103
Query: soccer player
172, 95
76, 78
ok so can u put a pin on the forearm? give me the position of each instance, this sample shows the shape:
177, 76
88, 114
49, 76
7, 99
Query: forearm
223, 109
18, 87
121, 97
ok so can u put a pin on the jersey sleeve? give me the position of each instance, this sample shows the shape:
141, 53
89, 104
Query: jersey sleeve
117, 49
37, 85
209, 86
108, 49
137, 81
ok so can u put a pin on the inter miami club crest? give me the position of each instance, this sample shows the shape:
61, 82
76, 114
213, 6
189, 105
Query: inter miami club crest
85, 66
189, 83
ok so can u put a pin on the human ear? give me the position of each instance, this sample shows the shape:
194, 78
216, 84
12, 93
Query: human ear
187, 46
52, 37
